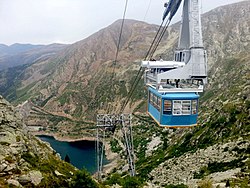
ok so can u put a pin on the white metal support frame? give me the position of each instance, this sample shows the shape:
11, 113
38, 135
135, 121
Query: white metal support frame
190, 58
107, 123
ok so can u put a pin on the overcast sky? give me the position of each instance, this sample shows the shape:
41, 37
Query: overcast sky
68, 21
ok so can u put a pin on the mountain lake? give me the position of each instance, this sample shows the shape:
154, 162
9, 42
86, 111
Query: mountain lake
82, 154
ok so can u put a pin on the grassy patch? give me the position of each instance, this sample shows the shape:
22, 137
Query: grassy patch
218, 167
115, 147
30, 158
126, 182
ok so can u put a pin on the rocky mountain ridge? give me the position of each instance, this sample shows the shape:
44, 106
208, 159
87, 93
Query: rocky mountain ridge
72, 86
26, 161
189, 168
68, 89
16, 48
21, 54
215, 153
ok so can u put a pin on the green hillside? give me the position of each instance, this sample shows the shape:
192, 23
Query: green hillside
224, 130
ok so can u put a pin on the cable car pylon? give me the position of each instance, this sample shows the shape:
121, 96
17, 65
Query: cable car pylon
106, 125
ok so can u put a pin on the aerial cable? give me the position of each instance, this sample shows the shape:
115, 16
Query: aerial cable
159, 39
150, 53
120, 36
117, 52
134, 84
152, 44
140, 71
147, 10
201, 7
171, 11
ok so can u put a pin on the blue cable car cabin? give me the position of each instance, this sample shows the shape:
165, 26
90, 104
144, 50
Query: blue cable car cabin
173, 110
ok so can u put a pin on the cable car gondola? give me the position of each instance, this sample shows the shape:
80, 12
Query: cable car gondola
173, 109
176, 105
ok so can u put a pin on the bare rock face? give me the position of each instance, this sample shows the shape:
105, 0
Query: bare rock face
226, 31
185, 169
34, 177
15, 183
75, 83
155, 142
15, 142
22, 156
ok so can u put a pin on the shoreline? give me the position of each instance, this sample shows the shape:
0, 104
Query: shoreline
63, 139
113, 158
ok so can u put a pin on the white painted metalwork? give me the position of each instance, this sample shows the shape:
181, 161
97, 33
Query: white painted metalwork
190, 58
107, 123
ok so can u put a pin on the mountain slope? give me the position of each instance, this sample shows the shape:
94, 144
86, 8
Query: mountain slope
226, 31
221, 144
24, 159
216, 153
20, 54
67, 90
74, 84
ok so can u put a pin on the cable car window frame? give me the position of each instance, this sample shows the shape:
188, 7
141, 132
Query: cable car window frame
180, 109
158, 103
151, 97
176, 108
155, 101
167, 110
186, 107
194, 106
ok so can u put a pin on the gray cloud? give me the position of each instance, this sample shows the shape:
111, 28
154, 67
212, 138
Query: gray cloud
68, 21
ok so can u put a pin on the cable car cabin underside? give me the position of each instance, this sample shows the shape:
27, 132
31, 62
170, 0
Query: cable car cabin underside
173, 110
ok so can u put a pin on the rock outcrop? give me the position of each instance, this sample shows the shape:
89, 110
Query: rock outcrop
190, 168
24, 159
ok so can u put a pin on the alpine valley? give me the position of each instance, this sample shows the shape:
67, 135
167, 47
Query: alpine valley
59, 89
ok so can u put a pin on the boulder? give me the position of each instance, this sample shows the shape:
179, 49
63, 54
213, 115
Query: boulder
58, 173
7, 138
153, 145
15, 183
10, 167
3, 167
35, 177
24, 179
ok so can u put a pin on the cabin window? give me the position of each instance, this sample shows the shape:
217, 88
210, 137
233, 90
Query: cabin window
177, 108
182, 107
180, 56
186, 107
150, 98
158, 103
194, 106
167, 107
155, 101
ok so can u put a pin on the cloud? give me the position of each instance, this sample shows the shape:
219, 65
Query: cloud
68, 21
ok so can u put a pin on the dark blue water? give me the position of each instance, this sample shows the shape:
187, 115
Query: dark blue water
82, 154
